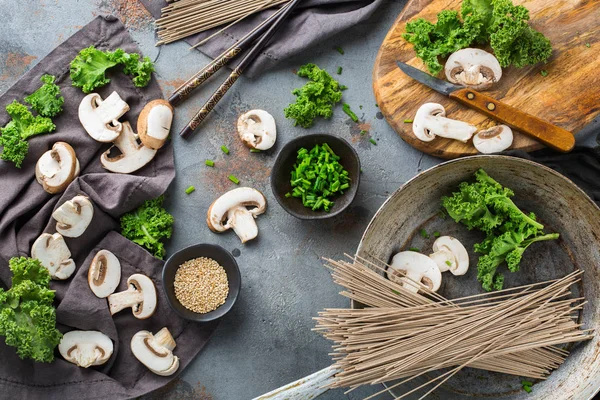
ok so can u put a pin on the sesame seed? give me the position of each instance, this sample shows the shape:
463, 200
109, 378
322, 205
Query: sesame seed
201, 285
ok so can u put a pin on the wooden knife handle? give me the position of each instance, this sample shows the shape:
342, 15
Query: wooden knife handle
551, 135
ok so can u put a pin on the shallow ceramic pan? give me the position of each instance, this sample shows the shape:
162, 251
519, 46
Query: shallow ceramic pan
560, 205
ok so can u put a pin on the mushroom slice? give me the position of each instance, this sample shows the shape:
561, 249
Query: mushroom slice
140, 296
55, 256
133, 155
85, 348
154, 123
156, 351
474, 68
100, 117
493, 140
74, 216
104, 274
257, 129
57, 168
450, 255
431, 121
408, 267
230, 212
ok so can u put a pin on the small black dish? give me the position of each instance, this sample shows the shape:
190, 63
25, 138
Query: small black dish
217, 253
280, 175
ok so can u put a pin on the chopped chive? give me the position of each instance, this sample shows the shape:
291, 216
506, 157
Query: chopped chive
209, 163
363, 133
448, 263
408, 121
414, 249
339, 70
254, 151
340, 50
436, 234
527, 389
526, 383
424, 234
395, 291
360, 106
361, 170
588, 45
233, 179
376, 105
347, 110
373, 141
343, 87
225, 149
544, 72
288, 195
190, 190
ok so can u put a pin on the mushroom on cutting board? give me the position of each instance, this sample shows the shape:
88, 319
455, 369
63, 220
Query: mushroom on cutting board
104, 274
230, 212
474, 68
74, 216
493, 140
156, 351
132, 155
57, 168
154, 123
55, 256
450, 255
140, 296
257, 129
100, 117
430, 121
85, 348
408, 267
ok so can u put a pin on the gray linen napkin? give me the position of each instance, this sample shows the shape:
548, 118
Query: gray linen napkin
313, 22
25, 212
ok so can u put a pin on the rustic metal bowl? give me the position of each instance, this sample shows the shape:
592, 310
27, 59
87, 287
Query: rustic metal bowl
560, 205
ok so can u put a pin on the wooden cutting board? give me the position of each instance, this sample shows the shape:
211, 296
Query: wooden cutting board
569, 96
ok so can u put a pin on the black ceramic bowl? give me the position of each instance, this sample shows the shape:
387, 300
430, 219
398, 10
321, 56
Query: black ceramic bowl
217, 253
280, 176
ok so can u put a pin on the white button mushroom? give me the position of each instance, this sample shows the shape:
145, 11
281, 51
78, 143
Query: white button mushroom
132, 155
104, 274
431, 121
493, 140
140, 296
85, 348
154, 123
474, 68
230, 212
156, 351
408, 267
54, 254
57, 168
74, 216
100, 118
257, 129
450, 255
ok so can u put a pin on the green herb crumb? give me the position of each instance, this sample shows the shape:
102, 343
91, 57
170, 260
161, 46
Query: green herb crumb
414, 249
209, 163
436, 234
340, 50
339, 70
408, 121
588, 45
254, 151
347, 110
424, 234
363, 133
189, 190
225, 149
544, 72
233, 179
448, 263
373, 141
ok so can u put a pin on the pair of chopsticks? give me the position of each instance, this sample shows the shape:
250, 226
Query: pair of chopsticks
265, 31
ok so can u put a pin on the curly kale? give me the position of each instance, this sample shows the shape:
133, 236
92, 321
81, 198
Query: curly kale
47, 100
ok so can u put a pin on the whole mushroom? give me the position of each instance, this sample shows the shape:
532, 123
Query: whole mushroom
257, 129
408, 267
450, 255
474, 68
104, 274
74, 216
54, 254
100, 117
57, 168
154, 123
431, 121
85, 348
132, 155
140, 296
156, 351
493, 140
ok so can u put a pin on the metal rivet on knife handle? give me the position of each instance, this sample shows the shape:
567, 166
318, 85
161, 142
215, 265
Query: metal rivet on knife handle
470, 95
491, 106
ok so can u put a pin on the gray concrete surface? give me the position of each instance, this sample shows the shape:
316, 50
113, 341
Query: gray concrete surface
266, 341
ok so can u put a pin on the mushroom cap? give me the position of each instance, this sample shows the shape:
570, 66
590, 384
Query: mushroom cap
493, 140
459, 257
74, 216
156, 351
85, 348
430, 121
54, 254
133, 155
474, 68
230, 211
100, 117
104, 274
257, 129
140, 296
56, 168
154, 123
416, 267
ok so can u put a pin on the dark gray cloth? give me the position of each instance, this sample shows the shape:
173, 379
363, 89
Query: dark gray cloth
25, 212
314, 21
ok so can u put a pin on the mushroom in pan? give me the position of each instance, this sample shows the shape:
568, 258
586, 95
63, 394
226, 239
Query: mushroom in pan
74, 216
408, 267
257, 129
230, 212
104, 274
493, 140
431, 121
450, 255
100, 117
57, 168
55, 256
140, 296
156, 351
132, 154
85, 348
474, 68
154, 123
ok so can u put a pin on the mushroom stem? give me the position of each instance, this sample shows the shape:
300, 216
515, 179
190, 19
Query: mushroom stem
122, 300
444, 259
163, 338
243, 223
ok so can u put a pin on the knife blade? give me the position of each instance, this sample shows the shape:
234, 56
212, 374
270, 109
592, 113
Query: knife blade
551, 135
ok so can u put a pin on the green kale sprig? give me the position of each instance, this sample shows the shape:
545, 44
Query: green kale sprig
47, 100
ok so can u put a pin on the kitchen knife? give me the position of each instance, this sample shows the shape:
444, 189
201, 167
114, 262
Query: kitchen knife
551, 135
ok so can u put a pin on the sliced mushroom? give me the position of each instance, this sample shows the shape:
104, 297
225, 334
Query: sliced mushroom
408, 267
450, 255
85, 348
156, 351
100, 117
493, 140
140, 296
154, 123
230, 212
54, 254
57, 168
257, 129
474, 68
431, 121
104, 274
74, 216
132, 154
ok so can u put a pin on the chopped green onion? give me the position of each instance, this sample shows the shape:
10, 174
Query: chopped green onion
448, 263
288, 195
363, 133
360, 106
544, 72
343, 87
254, 151
225, 149
190, 190
376, 105
588, 45
414, 249
526, 383
395, 291
233, 179
408, 121
209, 163
373, 141
436, 234
424, 234
339, 70
527, 389
347, 110
340, 50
